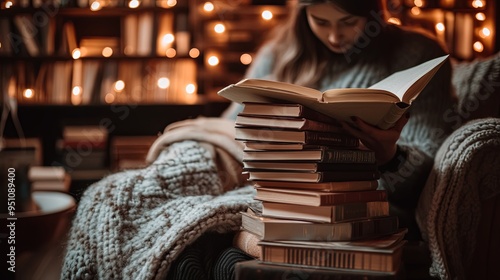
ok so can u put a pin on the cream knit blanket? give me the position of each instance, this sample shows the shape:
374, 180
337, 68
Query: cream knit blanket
465, 173
133, 224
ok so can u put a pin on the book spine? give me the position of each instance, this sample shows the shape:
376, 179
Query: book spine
334, 176
348, 156
330, 139
329, 258
353, 197
353, 211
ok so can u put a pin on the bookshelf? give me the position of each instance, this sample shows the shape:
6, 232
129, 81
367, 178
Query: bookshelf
466, 27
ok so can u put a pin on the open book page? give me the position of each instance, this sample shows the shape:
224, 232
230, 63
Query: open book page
407, 84
279, 90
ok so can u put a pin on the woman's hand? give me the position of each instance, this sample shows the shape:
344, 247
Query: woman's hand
381, 141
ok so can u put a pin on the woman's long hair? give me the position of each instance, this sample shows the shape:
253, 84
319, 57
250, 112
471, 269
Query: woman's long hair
300, 57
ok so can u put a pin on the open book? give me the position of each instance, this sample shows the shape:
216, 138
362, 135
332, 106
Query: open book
381, 105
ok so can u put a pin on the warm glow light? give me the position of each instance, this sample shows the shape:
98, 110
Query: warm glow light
415, 11
267, 15
0, 45
485, 32
109, 98
480, 16
76, 53
208, 7
213, 60
418, 3
219, 28
171, 52
77, 90
119, 85
478, 46
477, 4
28, 93
194, 53
107, 52
163, 83
190, 89
394, 20
246, 59
171, 3
440, 26
167, 39
134, 4
8, 4
95, 6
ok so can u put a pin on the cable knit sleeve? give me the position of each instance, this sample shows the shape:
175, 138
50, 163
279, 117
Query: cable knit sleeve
426, 129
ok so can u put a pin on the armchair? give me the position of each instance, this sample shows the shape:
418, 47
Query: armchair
459, 208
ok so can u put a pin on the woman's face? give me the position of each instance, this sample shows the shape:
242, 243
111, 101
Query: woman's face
338, 30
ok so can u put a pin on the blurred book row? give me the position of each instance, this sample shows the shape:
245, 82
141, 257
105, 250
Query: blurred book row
82, 82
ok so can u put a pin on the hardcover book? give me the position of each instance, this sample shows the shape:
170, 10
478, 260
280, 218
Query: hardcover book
349, 186
383, 257
271, 229
317, 198
255, 269
291, 136
284, 110
287, 123
308, 166
326, 214
314, 177
325, 155
382, 104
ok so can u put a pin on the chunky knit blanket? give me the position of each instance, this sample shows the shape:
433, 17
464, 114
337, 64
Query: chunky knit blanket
465, 173
133, 224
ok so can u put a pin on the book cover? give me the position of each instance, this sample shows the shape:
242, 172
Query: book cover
271, 229
307, 166
314, 177
325, 155
326, 214
318, 198
287, 123
255, 269
291, 136
382, 104
349, 186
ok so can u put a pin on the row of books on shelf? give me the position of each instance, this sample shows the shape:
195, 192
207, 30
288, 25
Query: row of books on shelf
319, 206
20, 34
88, 3
102, 82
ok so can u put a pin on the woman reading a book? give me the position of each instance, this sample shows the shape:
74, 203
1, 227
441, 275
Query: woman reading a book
348, 44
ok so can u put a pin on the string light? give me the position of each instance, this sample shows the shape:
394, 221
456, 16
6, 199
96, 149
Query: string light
134, 4
478, 46
8, 4
119, 86
219, 28
213, 60
245, 59
418, 3
194, 53
394, 20
171, 52
480, 16
485, 32
163, 83
477, 4
107, 52
77, 90
95, 6
267, 15
28, 93
440, 26
190, 89
76, 53
208, 7
415, 11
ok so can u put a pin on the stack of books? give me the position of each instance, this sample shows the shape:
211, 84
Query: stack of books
49, 178
318, 187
